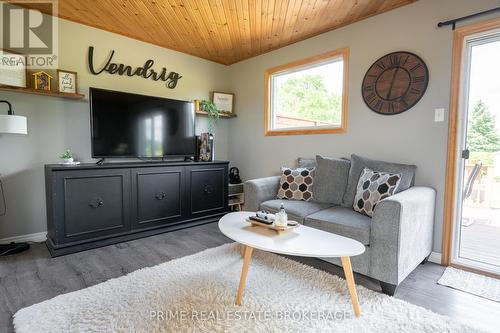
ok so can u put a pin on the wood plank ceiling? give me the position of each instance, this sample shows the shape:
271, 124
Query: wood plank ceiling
224, 31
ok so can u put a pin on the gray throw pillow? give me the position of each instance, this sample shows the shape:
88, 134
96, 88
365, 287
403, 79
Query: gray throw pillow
358, 163
330, 179
306, 162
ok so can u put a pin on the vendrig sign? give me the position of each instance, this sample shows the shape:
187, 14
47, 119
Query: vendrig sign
146, 71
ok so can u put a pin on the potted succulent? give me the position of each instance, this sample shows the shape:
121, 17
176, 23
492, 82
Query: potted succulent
67, 157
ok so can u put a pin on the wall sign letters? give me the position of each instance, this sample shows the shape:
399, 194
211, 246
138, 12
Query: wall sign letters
146, 71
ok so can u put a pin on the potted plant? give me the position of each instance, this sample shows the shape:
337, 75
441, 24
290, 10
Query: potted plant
207, 151
212, 112
67, 157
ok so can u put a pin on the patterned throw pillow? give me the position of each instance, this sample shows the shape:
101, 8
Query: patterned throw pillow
296, 184
374, 186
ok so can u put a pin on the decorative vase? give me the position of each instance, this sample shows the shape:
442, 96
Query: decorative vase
206, 147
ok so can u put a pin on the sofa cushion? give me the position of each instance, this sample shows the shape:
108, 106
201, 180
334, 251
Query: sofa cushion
296, 184
358, 163
296, 210
306, 162
341, 221
374, 186
330, 179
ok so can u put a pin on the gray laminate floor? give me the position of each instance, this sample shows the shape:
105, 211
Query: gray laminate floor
33, 276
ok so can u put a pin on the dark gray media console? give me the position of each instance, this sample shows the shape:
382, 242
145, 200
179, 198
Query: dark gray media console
90, 205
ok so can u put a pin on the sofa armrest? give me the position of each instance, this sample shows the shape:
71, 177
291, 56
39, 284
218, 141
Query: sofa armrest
260, 190
401, 233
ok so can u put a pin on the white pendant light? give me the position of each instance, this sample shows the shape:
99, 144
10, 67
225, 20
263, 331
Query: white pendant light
12, 124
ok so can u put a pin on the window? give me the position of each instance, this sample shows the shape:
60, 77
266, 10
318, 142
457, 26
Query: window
308, 96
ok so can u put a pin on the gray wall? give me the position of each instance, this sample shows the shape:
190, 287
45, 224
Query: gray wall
411, 137
56, 124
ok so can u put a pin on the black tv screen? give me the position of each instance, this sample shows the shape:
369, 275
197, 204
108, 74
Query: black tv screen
131, 125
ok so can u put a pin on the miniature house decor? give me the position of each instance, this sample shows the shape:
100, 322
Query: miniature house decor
42, 81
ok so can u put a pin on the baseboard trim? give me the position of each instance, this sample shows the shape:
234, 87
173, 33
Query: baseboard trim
36, 237
435, 257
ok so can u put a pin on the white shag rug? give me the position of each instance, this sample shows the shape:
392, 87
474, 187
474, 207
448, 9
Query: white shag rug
197, 293
471, 283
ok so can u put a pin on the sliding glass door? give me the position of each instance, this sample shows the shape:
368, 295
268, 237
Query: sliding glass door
476, 241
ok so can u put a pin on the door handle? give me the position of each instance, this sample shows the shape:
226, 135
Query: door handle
160, 196
208, 189
96, 203
465, 154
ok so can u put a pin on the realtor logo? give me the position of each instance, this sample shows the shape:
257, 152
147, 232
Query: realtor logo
30, 28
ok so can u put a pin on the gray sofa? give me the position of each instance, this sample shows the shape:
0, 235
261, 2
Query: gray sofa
397, 238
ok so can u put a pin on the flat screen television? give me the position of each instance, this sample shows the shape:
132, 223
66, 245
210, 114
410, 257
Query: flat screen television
132, 125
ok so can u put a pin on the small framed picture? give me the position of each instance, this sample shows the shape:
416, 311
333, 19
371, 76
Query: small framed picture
13, 69
223, 101
66, 81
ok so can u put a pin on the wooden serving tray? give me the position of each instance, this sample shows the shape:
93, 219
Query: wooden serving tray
271, 226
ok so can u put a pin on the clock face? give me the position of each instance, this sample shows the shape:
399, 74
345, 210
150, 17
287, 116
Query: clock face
395, 83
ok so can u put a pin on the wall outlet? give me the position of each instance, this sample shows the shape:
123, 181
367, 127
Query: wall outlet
438, 115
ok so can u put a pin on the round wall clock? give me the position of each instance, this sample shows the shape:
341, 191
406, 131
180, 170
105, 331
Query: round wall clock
395, 83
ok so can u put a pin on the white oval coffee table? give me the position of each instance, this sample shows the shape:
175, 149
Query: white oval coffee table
302, 241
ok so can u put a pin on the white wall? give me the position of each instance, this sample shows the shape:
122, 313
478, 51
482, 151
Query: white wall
55, 124
411, 137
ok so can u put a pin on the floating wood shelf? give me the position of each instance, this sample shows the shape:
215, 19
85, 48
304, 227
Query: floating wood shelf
222, 115
43, 92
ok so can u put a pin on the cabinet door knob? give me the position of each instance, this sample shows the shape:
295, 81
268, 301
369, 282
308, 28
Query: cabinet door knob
161, 195
96, 203
208, 189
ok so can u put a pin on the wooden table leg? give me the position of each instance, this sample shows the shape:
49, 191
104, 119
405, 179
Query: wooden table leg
349, 277
244, 272
242, 250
